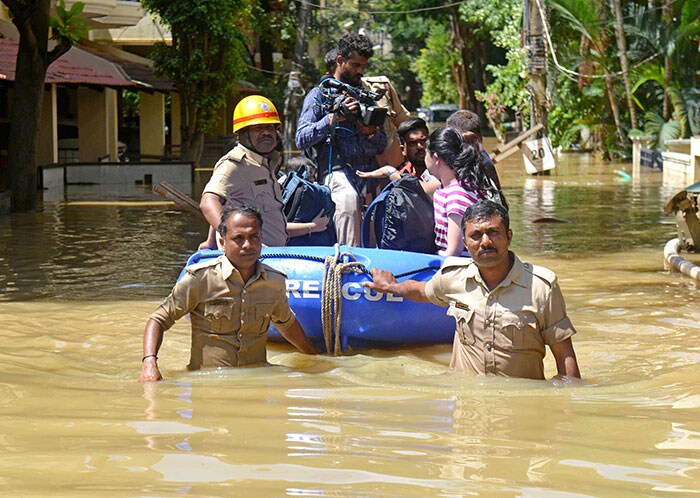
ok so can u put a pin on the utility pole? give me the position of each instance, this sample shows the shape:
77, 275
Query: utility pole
536, 62
538, 154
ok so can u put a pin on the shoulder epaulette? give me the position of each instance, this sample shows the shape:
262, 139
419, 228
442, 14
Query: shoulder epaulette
544, 274
456, 261
207, 263
236, 154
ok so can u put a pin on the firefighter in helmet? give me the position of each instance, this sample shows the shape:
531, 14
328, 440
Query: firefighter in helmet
246, 175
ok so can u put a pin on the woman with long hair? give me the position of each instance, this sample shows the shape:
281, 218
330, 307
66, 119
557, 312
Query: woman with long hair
456, 163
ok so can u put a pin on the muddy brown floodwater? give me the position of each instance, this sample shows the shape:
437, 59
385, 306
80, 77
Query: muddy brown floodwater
77, 283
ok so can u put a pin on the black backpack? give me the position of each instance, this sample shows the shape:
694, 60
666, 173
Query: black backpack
303, 200
401, 218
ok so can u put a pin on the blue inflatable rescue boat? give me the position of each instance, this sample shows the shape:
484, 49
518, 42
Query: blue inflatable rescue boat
324, 286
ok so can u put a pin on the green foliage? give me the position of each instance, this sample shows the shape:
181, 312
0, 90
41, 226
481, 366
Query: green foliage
500, 21
277, 27
509, 82
68, 26
662, 130
584, 16
433, 68
206, 58
131, 101
576, 111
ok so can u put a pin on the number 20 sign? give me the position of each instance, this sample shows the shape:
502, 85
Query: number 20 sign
538, 155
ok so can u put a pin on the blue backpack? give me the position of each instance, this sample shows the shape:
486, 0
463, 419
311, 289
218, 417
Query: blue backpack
303, 200
400, 218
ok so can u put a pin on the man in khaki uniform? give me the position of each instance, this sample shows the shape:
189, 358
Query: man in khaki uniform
231, 301
246, 173
396, 115
506, 310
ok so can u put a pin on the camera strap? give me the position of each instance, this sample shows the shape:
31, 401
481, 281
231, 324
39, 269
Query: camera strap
332, 141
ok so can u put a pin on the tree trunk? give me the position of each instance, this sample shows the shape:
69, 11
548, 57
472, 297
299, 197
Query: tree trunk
668, 71
323, 26
613, 105
266, 48
616, 7
32, 61
192, 140
300, 41
460, 68
479, 57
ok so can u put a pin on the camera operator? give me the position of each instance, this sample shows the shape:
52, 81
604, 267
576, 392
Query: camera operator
341, 134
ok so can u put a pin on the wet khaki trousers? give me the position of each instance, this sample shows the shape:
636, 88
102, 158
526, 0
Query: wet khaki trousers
348, 208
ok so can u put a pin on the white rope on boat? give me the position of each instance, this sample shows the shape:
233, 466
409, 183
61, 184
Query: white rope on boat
332, 297
678, 263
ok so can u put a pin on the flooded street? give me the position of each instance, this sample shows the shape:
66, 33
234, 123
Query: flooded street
78, 281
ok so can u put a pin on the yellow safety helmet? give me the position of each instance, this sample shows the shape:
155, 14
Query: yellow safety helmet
253, 110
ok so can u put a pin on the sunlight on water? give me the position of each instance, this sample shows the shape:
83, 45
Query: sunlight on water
77, 283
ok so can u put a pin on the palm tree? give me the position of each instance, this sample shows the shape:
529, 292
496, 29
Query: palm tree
664, 86
616, 7
589, 18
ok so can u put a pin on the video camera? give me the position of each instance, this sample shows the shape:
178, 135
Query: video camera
335, 92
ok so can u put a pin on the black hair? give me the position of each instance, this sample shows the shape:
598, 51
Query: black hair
298, 162
464, 157
464, 121
484, 209
243, 209
409, 126
331, 60
351, 43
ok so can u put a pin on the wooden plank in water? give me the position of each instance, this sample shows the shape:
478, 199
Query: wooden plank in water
500, 157
120, 203
179, 198
517, 140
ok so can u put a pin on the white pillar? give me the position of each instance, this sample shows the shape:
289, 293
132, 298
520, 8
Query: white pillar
695, 157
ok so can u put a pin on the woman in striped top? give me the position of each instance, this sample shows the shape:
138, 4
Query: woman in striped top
455, 162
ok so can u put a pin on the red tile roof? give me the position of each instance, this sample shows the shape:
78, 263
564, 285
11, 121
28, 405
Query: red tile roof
61, 71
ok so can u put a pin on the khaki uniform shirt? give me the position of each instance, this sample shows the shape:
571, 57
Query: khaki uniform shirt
244, 176
390, 101
229, 317
503, 331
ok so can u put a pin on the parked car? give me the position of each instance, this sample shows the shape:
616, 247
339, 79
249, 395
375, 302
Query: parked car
438, 114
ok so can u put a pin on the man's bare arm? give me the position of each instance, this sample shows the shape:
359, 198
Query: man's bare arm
565, 356
384, 281
297, 338
212, 207
152, 339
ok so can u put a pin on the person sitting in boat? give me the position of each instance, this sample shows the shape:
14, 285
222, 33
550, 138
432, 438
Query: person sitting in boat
331, 132
231, 301
506, 310
246, 175
455, 163
469, 124
413, 137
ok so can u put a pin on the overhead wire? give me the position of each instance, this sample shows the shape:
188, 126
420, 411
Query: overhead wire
382, 12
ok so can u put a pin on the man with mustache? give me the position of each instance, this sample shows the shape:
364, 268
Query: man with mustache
231, 300
413, 136
338, 142
506, 310
245, 175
